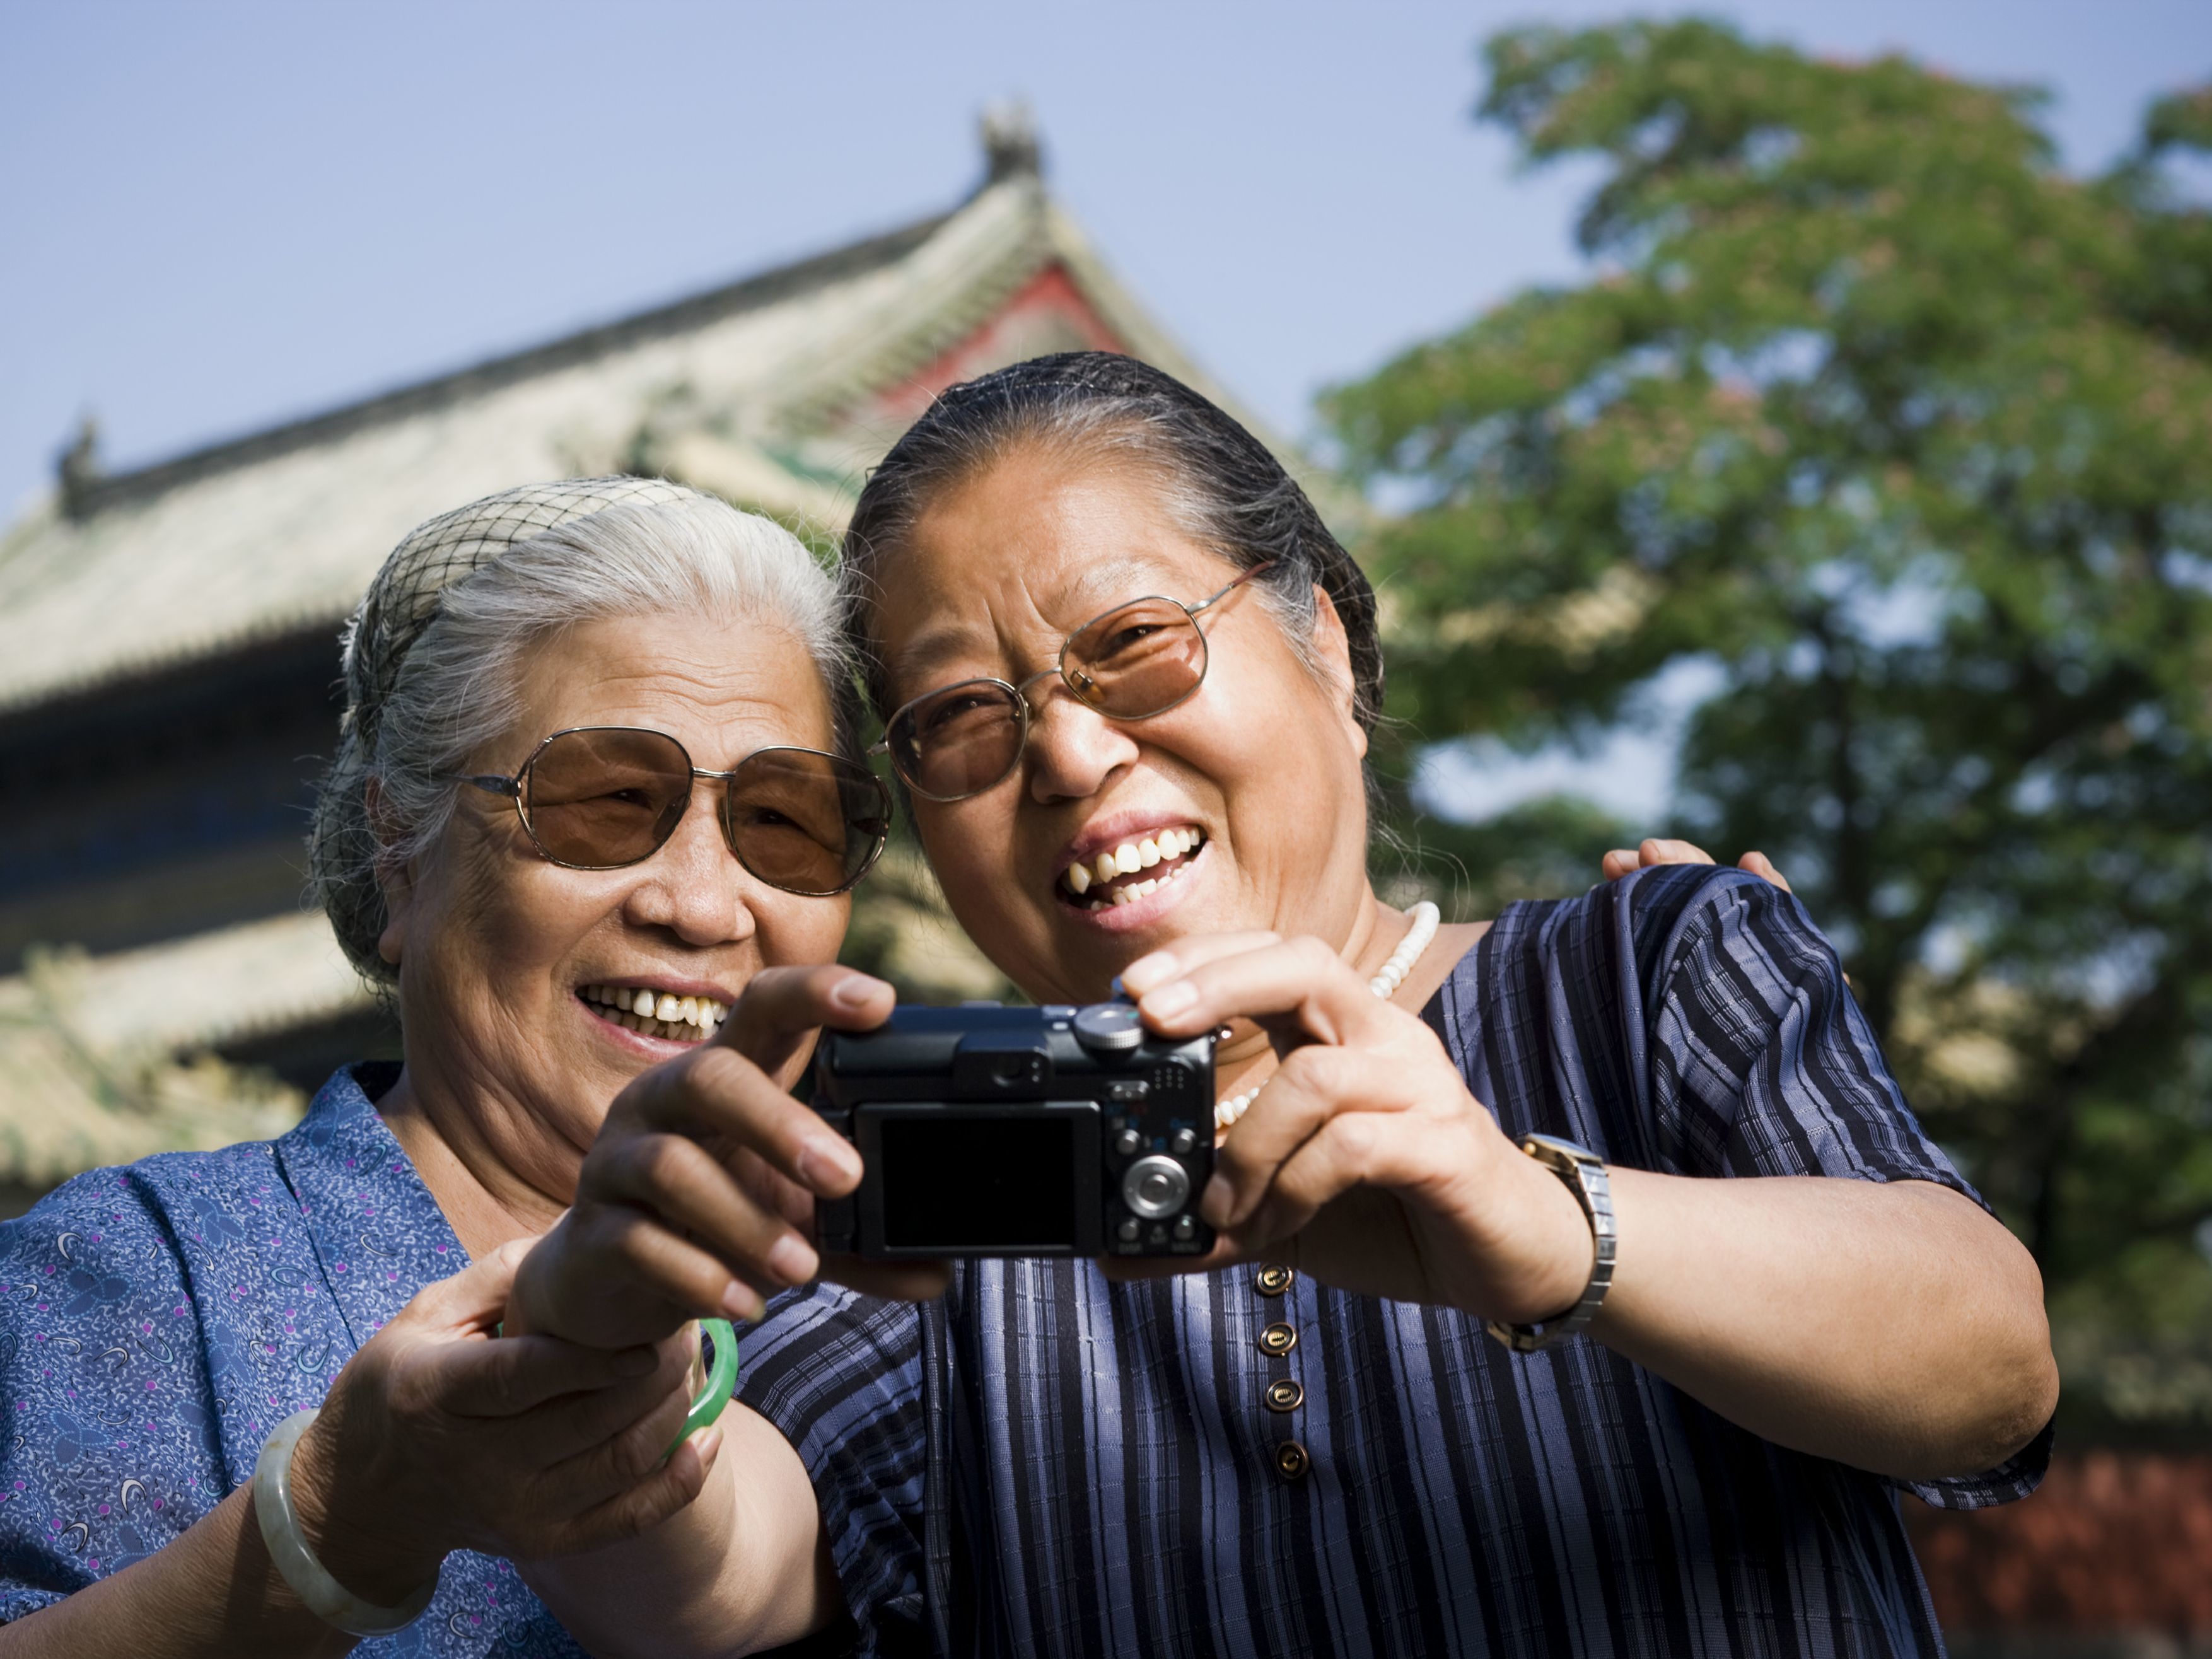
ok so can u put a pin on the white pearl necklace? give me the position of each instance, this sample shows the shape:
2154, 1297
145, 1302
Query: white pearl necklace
1385, 985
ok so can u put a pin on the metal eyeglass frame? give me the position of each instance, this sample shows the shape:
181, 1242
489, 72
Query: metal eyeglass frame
510, 788
1025, 711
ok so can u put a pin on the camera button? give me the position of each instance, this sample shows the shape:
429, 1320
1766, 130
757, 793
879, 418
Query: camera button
1129, 1143
1155, 1186
1129, 1231
1183, 1143
1185, 1230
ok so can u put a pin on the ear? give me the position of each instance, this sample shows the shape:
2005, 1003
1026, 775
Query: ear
393, 879
1333, 648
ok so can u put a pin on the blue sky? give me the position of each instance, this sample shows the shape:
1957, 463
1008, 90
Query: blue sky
219, 215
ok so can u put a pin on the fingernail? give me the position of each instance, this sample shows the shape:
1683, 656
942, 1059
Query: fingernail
637, 1362
740, 1304
1170, 999
1214, 1203
828, 1166
791, 1262
706, 1443
1144, 970
856, 991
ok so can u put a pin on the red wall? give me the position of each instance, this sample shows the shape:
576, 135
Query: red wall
2114, 1541
1046, 314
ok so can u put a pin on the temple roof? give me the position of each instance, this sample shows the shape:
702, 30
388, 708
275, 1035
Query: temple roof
776, 391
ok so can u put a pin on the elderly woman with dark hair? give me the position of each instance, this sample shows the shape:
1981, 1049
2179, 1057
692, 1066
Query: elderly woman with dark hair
1584, 1284
595, 775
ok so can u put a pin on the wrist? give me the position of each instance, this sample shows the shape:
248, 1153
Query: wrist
356, 1522
1552, 1250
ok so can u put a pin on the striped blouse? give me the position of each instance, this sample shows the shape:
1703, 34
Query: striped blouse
1249, 1463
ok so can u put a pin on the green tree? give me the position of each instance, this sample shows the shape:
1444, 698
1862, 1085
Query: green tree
1907, 435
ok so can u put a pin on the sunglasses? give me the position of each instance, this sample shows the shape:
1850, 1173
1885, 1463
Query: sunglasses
1139, 660
605, 797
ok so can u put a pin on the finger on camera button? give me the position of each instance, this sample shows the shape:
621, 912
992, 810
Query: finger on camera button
1161, 966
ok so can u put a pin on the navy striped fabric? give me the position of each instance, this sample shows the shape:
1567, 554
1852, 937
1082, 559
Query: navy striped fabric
1046, 1463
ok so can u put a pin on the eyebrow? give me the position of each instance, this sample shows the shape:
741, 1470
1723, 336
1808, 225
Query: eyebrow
1091, 592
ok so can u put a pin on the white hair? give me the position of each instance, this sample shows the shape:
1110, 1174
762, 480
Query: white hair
458, 686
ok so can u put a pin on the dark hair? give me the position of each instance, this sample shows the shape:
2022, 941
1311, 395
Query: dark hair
1222, 485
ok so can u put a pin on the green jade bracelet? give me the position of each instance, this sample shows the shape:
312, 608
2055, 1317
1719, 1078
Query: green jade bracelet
721, 1381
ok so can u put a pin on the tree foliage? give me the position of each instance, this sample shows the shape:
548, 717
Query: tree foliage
1907, 434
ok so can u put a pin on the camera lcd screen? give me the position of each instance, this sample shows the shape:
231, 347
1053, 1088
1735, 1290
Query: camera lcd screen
952, 1182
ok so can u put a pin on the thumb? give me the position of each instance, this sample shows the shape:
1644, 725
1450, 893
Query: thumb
774, 1021
475, 1298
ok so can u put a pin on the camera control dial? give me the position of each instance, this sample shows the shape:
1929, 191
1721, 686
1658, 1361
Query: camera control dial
1155, 1186
1110, 1028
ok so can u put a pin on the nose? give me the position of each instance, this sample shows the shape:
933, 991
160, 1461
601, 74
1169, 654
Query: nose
692, 886
1073, 749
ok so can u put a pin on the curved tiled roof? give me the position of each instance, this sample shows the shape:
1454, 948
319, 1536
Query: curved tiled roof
767, 391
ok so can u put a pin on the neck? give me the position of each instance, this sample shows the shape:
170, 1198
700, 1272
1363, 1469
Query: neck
1246, 1055
485, 1200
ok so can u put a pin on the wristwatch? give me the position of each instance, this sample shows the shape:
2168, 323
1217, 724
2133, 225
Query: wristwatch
1583, 1172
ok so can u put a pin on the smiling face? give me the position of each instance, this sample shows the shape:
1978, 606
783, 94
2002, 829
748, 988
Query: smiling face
520, 980
1249, 794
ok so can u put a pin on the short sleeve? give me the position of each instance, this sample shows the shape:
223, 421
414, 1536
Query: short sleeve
1764, 1065
112, 1449
840, 1376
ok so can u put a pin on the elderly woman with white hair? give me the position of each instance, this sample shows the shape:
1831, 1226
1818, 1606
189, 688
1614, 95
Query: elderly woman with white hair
596, 775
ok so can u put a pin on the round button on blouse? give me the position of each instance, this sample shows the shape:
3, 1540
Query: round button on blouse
1272, 1279
1277, 1338
1292, 1460
1284, 1393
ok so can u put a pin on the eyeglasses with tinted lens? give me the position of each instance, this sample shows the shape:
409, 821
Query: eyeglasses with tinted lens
604, 797
1139, 660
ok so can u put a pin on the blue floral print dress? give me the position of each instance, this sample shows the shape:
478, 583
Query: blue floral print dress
161, 1320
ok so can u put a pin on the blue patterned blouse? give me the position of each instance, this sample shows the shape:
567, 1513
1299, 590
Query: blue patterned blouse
160, 1320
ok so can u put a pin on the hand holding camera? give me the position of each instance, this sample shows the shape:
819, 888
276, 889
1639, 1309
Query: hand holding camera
698, 1199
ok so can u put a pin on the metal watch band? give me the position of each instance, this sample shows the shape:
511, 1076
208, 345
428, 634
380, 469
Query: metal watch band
1584, 1172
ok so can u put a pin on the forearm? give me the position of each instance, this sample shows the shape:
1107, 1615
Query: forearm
1895, 1328
742, 1567
212, 1592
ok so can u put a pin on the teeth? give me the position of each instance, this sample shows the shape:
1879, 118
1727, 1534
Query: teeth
656, 1013
1162, 847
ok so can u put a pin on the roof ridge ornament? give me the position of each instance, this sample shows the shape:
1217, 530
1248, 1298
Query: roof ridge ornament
1011, 149
77, 467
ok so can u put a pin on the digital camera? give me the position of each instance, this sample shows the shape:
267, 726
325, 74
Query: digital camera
986, 1131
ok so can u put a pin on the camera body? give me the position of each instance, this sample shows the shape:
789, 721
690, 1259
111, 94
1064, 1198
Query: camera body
987, 1130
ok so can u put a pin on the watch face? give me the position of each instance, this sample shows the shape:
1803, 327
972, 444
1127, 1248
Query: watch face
1560, 1149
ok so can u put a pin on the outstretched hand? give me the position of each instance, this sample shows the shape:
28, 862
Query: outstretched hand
698, 1199
437, 1436
1624, 860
